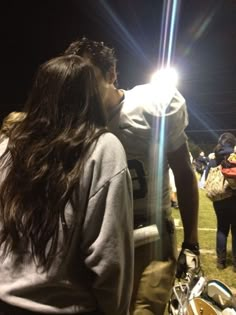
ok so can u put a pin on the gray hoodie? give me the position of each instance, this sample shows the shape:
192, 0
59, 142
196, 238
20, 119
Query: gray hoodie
95, 269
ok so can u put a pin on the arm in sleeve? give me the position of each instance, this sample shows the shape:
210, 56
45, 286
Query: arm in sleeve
179, 160
109, 228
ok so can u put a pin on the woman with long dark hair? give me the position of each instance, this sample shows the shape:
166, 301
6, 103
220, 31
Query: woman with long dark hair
65, 202
225, 209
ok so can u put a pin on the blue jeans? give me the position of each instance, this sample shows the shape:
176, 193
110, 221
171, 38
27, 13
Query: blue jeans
226, 220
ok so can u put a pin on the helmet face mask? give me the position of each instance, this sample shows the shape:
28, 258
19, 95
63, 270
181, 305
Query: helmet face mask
179, 299
195, 296
185, 291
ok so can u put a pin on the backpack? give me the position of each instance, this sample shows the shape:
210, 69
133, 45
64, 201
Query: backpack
229, 170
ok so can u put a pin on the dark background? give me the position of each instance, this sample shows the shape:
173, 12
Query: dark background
205, 50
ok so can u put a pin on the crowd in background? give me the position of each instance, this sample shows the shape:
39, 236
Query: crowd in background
224, 209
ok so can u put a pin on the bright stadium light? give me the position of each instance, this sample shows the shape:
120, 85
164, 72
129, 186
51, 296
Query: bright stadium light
164, 82
165, 77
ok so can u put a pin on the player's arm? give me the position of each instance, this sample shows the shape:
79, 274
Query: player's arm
187, 192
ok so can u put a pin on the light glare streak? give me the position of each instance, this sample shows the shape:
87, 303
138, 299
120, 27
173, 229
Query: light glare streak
168, 31
164, 90
122, 32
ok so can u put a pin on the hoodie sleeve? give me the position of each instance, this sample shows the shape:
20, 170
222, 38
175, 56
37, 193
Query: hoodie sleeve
108, 234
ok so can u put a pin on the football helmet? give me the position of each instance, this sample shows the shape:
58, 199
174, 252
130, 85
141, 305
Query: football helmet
195, 295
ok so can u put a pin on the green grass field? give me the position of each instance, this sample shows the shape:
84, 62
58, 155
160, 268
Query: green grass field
207, 240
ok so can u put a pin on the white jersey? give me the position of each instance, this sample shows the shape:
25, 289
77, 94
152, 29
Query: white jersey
95, 268
136, 122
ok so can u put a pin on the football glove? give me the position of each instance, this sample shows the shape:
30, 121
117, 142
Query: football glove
188, 263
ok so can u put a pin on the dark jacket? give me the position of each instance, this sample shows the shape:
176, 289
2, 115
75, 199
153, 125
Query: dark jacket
222, 152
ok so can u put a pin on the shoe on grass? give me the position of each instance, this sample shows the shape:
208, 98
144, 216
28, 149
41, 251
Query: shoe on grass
221, 266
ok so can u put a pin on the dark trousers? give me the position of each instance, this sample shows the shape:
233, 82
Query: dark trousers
226, 220
154, 272
7, 309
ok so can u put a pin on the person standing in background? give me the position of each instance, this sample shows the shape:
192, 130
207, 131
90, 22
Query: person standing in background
201, 164
225, 209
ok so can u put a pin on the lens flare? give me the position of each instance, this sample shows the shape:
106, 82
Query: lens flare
164, 82
165, 78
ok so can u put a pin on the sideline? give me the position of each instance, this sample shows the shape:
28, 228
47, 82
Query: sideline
180, 227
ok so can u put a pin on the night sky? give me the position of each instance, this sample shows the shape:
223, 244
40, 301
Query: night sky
205, 49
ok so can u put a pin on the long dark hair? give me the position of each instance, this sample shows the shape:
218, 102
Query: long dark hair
46, 154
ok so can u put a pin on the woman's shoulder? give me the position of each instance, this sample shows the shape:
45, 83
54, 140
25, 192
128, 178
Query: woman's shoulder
106, 161
109, 142
109, 152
